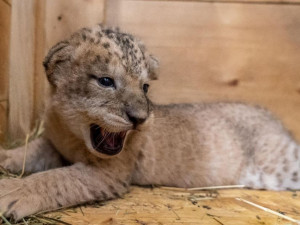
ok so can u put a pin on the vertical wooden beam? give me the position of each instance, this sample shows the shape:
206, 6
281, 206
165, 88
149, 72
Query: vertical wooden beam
40, 81
21, 73
5, 13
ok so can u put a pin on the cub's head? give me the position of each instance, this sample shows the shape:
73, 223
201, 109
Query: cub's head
99, 82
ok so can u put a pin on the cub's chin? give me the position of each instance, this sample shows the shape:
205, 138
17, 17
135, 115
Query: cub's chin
103, 143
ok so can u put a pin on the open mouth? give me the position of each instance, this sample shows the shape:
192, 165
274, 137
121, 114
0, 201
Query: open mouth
109, 143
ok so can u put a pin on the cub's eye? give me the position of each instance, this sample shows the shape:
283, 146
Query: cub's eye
106, 81
145, 87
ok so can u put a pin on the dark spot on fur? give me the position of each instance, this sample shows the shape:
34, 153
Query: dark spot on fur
296, 152
295, 176
279, 178
140, 156
108, 31
99, 34
58, 194
88, 30
106, 45
285, 168
104, 195
107, 60
83, 36
125, 185
98, 58
111, 188
11, 204
116, 194
89, 161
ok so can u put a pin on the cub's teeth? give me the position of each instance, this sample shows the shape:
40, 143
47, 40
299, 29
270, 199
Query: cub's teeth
123, 134
103, 132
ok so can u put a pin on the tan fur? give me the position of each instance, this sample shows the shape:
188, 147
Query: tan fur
178, 145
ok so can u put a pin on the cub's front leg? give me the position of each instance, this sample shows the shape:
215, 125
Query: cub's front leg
40, 155
62, 187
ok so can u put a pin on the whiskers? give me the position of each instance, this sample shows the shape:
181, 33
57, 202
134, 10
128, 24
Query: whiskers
106, 134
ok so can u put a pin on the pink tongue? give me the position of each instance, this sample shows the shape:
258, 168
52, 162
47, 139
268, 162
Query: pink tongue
110, 141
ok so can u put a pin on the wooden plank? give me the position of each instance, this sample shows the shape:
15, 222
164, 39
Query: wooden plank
5, 13
40, 82
281, 2
213, 52
3, 121
7, 2
21, 72
159, 206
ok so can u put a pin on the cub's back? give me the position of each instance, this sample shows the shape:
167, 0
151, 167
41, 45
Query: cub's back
204, 144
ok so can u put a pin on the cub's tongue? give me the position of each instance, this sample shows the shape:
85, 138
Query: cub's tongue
110, 140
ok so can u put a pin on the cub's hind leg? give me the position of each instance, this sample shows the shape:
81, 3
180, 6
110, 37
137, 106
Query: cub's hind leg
40, 156
275, 164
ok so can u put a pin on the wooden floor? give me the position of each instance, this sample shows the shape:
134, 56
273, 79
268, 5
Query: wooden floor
147, 206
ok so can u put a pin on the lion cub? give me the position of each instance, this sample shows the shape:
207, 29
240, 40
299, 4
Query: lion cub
100, 120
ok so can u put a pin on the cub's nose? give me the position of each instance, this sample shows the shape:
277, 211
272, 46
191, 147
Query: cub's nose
135, 119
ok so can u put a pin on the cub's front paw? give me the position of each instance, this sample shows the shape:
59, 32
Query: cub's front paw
3, 158
3, 155
9, 161
16, 200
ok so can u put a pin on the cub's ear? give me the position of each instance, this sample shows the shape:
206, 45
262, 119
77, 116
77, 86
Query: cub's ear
59, 53
153, 63
153, 67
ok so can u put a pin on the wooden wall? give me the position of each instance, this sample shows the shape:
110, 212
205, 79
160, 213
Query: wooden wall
232, 50
5, 14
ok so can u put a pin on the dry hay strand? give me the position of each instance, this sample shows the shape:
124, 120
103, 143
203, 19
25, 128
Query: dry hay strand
269, 211
37, 131
202, 188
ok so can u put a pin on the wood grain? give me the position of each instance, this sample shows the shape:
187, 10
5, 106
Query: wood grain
5, 13
158, 206
3, 121
281, 2
21, 74
39, 82
220, 52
